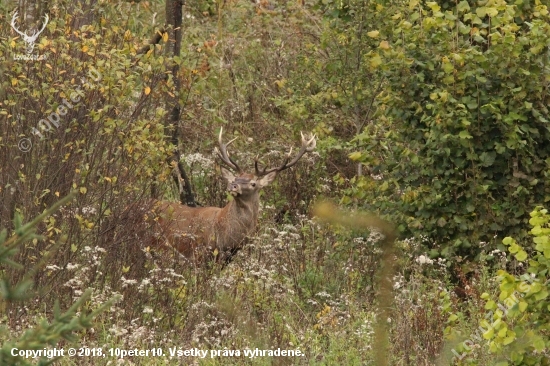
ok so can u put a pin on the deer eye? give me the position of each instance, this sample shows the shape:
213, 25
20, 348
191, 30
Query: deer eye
253, 184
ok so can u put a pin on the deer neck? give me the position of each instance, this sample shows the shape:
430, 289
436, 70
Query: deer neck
245, 210
237, 220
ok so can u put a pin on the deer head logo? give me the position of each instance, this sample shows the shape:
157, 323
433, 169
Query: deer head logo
29, 39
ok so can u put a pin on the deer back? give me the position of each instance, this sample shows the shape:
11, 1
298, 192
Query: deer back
189, 230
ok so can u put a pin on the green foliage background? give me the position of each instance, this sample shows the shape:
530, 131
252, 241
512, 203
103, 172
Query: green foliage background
434, 115
454, 105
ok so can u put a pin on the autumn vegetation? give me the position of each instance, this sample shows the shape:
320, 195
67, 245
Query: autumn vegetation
416, 233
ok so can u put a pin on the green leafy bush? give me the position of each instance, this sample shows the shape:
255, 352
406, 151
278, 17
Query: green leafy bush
521, 319
465, 99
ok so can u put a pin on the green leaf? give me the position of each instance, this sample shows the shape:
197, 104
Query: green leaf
489, 333
507, 240
481, 11
487, 158
491, 12
535, 287
464, 135
448, 67
463, 6
521, 256
539, 344
375, 61
543, 294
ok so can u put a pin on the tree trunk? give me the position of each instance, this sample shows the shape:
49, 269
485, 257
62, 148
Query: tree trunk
174, 13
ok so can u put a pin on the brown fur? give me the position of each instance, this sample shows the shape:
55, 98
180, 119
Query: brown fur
201, 234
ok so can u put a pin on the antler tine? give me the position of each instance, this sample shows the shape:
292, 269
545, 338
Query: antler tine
258, 172
224, 155
13, 19
46, 19
36, 33
309, 142
307, 146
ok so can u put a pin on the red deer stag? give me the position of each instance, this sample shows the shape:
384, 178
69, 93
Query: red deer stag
201, 234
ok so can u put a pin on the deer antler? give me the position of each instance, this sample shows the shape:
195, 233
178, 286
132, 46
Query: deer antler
308, 145
13, 19
223, 154
46, 19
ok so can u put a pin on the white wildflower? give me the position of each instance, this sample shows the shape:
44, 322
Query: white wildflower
424, 260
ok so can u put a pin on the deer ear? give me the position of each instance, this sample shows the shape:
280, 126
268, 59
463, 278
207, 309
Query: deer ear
229, 177
267, 179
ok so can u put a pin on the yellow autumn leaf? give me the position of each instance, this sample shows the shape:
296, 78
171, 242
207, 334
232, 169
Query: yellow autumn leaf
83, 190
373, 34
280, 83
384, 45
85, 49
13, 82
147, 90
165, 36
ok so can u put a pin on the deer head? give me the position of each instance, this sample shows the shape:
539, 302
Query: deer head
197, 234
29, 39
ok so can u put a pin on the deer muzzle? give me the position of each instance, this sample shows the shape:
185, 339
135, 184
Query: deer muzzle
234, 189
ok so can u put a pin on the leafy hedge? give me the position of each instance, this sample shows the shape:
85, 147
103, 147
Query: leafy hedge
462, 125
